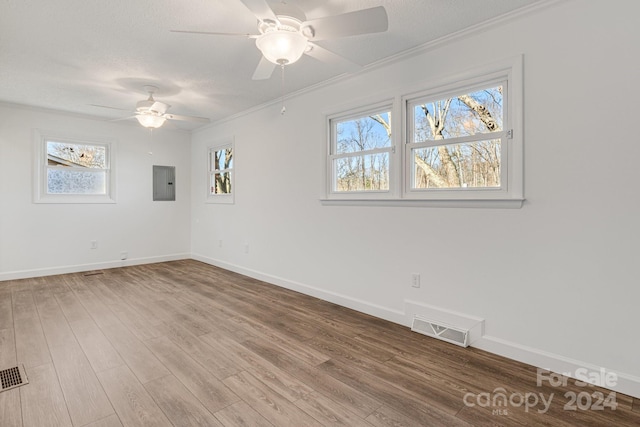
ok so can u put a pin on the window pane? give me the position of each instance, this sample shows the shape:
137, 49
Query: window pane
76, 155
362, 173
223, 159
64, 181
220, 183
471, 165
364, 133
467, 114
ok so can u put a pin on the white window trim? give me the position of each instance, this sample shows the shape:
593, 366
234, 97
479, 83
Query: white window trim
40, 195
221, 198
512, 196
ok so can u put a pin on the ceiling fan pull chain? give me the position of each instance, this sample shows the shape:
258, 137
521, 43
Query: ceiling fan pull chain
282, 87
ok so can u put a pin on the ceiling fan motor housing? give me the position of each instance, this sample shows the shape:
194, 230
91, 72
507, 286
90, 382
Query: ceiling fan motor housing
290, 18
144, 105
151, 106
282, 42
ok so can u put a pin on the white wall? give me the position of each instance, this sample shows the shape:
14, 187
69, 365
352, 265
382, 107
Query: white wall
42, 239
555, 281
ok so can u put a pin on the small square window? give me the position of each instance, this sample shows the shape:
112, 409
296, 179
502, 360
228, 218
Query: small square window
71, 170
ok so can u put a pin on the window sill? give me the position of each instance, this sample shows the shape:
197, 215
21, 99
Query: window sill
220, 200
74, 199
431, 203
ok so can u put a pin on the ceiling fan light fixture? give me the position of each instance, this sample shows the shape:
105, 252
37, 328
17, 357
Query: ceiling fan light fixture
282, 47
150, 121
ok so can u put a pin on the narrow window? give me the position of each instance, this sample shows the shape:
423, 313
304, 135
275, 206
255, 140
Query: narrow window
221, 177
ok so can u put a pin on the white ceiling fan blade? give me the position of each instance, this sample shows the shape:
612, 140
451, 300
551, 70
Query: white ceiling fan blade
187, 118
326, 55
261, 9
365, 21
122, 118
112, 108
264, 70
214, 33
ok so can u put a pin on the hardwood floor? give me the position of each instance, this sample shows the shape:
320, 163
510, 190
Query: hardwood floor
184, 343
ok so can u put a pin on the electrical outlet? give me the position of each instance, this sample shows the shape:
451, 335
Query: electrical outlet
246, 248
124, 255
93, 244
415, 280
220, 243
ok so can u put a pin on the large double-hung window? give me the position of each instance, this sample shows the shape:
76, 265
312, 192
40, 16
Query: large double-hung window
455, 141
361, 148
458, 143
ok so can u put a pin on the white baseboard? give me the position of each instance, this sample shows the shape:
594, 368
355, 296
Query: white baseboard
51, 271
624, 383
381, 312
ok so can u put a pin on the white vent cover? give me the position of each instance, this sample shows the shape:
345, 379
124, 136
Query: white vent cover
442, 331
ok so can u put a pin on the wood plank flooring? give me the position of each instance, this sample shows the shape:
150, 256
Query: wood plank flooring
186, 344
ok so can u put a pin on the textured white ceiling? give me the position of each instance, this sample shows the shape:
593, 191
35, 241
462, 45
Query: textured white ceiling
67, 54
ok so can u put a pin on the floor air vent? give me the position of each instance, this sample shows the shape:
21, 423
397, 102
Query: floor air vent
13, 377
441, 331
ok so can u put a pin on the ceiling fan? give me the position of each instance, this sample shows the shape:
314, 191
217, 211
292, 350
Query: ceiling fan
153, 114
285, 34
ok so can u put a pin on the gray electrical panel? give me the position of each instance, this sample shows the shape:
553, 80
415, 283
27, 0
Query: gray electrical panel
164, 183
